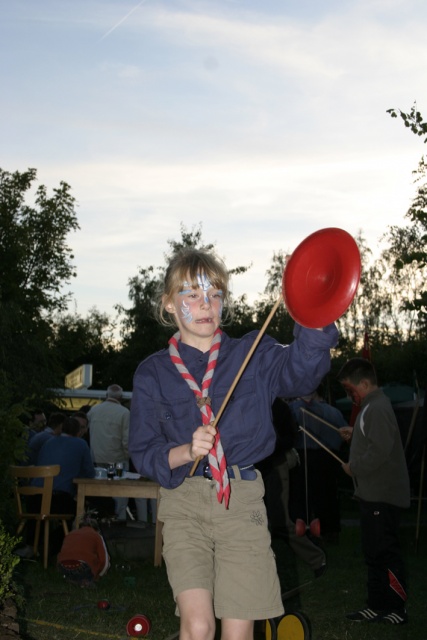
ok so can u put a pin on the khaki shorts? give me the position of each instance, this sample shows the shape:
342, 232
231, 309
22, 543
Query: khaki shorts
226, 551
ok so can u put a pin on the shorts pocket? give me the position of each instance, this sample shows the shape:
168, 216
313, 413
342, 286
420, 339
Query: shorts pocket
248, 491
171, 500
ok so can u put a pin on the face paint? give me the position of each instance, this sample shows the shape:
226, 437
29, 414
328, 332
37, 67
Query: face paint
187, 316
186, 288
204, 284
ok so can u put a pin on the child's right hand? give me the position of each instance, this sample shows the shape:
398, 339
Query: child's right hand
203, 439
346, 433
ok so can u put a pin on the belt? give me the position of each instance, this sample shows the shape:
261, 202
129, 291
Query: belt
247, 472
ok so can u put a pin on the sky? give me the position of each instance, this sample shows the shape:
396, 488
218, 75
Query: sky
263, 121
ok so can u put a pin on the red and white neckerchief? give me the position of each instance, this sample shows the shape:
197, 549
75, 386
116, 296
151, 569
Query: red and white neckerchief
217, 461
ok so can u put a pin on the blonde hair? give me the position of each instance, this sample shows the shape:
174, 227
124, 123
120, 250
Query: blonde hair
185, 266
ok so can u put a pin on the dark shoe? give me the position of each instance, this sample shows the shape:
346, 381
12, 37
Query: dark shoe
320, 571
393, 617
26, 552
364, 615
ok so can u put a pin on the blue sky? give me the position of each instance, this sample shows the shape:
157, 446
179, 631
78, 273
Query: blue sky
264, 121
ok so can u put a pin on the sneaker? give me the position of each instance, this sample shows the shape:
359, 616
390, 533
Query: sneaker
364, 615
393, 617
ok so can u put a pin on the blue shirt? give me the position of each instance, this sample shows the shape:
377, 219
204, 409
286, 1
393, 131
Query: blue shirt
36, 443
73, 456
164, 413
321, 431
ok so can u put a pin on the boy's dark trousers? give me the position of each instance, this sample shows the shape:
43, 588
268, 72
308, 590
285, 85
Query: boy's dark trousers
379, 524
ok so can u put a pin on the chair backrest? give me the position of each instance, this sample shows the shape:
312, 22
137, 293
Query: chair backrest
47, 473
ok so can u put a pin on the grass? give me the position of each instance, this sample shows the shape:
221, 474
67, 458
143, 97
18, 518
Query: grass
56, 610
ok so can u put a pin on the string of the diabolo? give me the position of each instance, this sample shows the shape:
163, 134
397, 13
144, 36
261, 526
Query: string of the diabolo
216, 457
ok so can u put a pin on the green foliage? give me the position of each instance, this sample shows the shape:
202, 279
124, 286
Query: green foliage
34, 257
35, 262
76, 340
408, 245
8, 562
413, 120
13, 450
64, 610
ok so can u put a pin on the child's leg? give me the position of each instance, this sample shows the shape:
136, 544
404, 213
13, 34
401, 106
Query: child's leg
196, 613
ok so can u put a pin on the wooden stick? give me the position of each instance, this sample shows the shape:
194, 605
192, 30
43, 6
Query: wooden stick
413, 421
240, 373
322, 445
313, 415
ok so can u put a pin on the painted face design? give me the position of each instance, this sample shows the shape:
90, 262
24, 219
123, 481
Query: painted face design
186, 314
205, 285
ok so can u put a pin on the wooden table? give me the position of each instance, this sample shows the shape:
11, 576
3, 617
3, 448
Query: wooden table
100, 487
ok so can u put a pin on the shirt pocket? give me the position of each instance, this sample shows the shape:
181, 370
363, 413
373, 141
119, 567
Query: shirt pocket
242, 412
176, 420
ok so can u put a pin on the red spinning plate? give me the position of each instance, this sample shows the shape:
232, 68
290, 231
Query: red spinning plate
321, 277
138, 626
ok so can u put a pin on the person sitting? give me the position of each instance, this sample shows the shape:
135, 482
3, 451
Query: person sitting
54, 428
84, 558
81, 416
73, 456
37, 423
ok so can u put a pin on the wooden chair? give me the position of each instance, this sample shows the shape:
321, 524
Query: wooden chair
47, 473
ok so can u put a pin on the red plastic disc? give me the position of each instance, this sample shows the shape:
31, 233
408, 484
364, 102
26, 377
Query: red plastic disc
315, 528
138, 626
103, 604
300, 527
321, 277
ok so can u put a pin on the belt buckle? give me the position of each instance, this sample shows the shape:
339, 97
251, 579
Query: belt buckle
207, 471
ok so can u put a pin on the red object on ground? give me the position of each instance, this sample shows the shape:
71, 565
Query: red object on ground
321, 277
138, 626
103, 604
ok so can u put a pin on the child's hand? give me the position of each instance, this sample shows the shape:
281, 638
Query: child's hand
346, 433
203, 439
347, 469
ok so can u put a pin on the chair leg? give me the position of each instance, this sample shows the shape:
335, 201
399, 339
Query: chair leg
46, 543
36, 538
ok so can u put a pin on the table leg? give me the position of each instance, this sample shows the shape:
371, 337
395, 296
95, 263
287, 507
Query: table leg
80, 508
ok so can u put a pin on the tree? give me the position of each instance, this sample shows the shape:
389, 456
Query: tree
35, 260
35, 263
409, 244
90, 340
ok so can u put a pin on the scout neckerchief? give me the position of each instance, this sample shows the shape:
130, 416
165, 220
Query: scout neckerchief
217, 462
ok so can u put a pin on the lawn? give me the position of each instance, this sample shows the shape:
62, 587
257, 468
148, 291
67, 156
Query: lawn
54, 609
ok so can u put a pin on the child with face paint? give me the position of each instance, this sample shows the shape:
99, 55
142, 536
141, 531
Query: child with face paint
378, 467
216, 543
